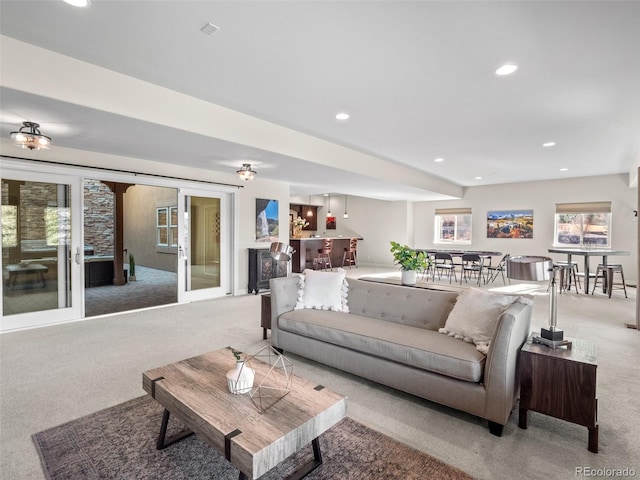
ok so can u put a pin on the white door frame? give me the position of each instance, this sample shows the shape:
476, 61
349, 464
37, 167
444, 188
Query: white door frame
74, 176
185, 293
76, 309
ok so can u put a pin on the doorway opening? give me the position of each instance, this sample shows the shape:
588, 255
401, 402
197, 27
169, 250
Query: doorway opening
147, 234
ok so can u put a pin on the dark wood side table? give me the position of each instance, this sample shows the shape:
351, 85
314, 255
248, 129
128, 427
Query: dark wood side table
265, 314
560, 382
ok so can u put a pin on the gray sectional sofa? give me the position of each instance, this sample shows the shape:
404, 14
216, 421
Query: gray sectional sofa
390, 336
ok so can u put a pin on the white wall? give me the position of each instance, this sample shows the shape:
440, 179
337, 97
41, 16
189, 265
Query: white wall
380, 222
246, 227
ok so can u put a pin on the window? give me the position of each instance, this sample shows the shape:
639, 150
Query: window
580, 224
452, 225
173, 227
167, 226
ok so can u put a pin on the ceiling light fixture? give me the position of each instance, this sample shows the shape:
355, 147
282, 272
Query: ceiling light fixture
438, 160
309, 211
77, 3
564, 169
346, 215
245, 172
29, 136
548, 144
506, 69
478, 178
342, 116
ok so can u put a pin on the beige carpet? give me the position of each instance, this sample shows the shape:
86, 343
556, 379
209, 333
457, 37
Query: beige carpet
52, 375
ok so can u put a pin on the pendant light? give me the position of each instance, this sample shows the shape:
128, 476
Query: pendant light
346, 215
329, 210
309, 211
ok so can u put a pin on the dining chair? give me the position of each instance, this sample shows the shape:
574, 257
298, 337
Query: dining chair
444, 262
430, 268
493, 272
472, 264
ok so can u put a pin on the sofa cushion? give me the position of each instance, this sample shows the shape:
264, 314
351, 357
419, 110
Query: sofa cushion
416, 347
323, 290
416, 307
475, 316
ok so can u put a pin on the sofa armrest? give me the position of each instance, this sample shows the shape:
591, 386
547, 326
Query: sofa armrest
284, 295
501, 377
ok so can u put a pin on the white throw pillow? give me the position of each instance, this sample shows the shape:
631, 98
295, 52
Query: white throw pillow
475, 316
323, 290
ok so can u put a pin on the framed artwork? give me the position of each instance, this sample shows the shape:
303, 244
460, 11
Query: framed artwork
267, 229
510, 224
331, 223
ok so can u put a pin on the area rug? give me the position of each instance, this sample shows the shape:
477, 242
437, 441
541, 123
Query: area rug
119, 443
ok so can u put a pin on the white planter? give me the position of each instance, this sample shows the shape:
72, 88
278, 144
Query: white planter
408, 277
240, 379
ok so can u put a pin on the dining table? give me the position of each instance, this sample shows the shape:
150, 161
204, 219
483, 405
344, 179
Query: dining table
459, 253
587, 252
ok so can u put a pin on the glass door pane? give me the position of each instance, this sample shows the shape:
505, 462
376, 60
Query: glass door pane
37, 252
204, 227
204, 264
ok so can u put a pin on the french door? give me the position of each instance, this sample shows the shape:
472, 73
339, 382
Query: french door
204, 253
41, 254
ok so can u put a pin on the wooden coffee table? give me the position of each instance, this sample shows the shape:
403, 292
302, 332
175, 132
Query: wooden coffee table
195, 390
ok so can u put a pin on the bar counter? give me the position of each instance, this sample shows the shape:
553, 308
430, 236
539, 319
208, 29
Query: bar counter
306, 249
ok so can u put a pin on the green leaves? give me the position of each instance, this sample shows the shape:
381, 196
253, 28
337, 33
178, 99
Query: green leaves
408, 258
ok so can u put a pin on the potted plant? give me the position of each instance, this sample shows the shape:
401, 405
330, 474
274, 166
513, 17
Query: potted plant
410, 261
132, 268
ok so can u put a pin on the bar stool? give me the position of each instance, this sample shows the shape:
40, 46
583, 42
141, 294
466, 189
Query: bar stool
607, 274
324, 255
350, 254
568, 272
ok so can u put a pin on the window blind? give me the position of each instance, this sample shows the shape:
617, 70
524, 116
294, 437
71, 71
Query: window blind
453, 211
584, 207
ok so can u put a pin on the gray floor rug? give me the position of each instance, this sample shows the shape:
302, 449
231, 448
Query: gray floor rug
119, 443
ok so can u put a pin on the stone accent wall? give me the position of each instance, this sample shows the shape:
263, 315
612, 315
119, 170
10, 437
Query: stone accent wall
98, 217
34, 198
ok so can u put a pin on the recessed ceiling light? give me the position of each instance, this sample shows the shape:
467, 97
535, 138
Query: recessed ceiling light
342, 116
77, 3
478, 178
438, 160
565, 169
506, 69
209, 29
549, 144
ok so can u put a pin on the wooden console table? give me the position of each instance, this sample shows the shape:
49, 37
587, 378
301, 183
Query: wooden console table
560, 382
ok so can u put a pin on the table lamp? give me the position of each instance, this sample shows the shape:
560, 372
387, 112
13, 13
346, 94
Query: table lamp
537, 269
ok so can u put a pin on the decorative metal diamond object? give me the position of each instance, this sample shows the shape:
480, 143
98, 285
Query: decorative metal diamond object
273, 376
